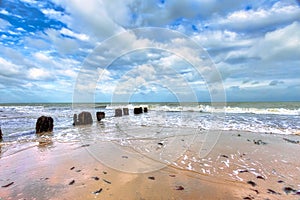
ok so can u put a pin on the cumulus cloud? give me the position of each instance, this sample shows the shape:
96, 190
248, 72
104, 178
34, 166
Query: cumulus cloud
262, 18
8, 68
281, 44
39, 74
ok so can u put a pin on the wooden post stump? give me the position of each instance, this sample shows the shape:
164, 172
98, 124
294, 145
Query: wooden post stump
44, 124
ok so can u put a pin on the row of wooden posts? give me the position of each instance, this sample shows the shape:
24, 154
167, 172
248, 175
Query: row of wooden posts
45, 123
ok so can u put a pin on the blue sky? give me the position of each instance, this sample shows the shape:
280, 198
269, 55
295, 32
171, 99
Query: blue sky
254, 45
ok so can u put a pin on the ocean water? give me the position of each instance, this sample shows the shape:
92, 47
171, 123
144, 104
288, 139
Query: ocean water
17, 121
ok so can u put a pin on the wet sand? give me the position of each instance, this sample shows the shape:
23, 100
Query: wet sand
242, 165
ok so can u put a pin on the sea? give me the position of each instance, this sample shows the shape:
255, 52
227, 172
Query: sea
17, 121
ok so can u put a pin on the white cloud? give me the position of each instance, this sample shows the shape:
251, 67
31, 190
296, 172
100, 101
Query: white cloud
4, 24
247, 20
8, 68
70, 33
38, 74
281, 44
90, 18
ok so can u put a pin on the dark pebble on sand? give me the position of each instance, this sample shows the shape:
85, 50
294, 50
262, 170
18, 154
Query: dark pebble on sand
179, 187
243, 171
79, 170
260, 177
72, 182
125, 157
280, 181
106, 181
172, 175
259, 142
95, 178
270, 191
251, 183
98, 191
288, 190
239, 135
247, 198
257, 192
72, 168
85, 145
7, 185
151, 177
224, 156
160, 143
104, 172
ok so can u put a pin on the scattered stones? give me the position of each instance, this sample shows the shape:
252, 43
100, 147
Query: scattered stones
83, 118
179, 187
98, 191
291, 141
118, 112
72, 182
137, 111
151, 177
100, 115
125, 111
252, 183
44, 124
7, 185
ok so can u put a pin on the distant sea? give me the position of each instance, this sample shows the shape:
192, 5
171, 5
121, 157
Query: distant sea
17, 121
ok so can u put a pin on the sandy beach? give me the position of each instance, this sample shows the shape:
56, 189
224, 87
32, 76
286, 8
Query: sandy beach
242, 165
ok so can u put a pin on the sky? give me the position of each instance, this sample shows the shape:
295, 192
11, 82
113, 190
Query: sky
136, 50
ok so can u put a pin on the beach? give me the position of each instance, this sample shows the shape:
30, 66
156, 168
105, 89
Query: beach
242, 165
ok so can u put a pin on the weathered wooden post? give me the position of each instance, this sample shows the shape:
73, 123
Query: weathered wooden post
125, 111
44, 124
100, 115
118, 112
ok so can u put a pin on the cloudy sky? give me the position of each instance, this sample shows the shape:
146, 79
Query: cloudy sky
49, 49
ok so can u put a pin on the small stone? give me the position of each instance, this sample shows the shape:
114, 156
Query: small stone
72, 182
106, 181
151, 177
98, 191
7, 185
253, 184
95, 178
179, 187
288, 190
